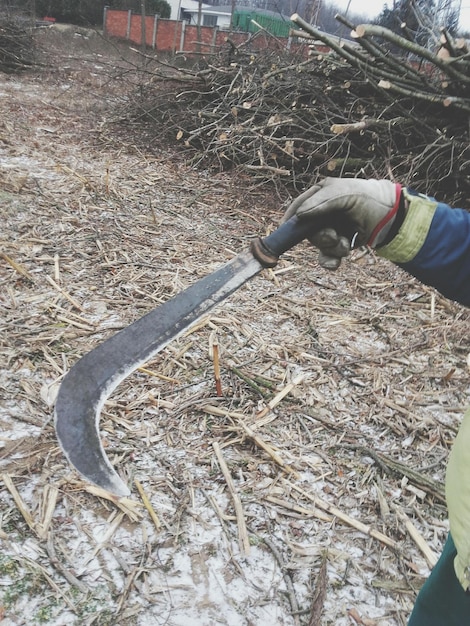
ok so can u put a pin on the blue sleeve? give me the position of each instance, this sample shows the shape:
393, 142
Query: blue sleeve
433, 244
444, 258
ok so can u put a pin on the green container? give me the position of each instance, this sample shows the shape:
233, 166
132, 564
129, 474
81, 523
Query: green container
276, 25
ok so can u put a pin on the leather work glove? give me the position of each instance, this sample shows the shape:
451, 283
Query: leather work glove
349, 211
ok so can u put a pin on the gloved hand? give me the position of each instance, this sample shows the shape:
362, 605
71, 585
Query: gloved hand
348, 211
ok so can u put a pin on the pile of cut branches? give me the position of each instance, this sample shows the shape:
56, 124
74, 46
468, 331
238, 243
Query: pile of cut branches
361, 109
17, 47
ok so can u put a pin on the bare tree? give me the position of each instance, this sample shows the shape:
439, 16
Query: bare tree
312, 11
422, 20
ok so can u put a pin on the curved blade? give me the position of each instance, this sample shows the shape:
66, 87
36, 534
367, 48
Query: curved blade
93, 378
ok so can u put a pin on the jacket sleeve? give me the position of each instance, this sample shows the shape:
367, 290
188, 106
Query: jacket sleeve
433, 244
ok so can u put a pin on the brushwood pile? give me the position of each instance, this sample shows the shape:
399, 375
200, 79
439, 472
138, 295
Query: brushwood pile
378, 105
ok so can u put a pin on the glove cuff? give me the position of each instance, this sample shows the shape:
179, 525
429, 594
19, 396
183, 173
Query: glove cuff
382, 229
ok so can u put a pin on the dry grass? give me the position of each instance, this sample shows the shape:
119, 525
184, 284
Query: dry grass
240, 499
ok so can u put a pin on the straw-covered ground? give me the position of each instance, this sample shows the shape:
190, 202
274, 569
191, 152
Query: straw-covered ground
309, 492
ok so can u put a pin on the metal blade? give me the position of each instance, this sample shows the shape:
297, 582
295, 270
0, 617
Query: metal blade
93, 378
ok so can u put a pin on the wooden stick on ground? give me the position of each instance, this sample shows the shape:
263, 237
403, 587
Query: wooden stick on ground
148, 505
243, 539
347, 519
25, 512
214, 352
49, 502
295, 508
429, 555
16, 266
66, 295
319, 596
257, 440
280, 396
127, 506
250, 432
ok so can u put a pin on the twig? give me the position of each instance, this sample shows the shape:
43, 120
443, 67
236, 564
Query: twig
67, 574
391, 465
243, 539
66, 295
251, 382
49, 502
148, 505
257, 440
214, 350
298, 509
319, 595
268, 168
429, 555
17, 266
354, 127
279, 397
169, 379
294, 605
347, 519
22, 507
128, 507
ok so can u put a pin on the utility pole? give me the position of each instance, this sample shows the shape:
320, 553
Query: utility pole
234, 6
33, 10
143, 26
199, 22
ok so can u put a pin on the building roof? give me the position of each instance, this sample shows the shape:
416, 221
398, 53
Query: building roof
193, 5
243, 9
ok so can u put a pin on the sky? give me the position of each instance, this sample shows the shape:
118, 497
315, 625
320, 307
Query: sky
366, 7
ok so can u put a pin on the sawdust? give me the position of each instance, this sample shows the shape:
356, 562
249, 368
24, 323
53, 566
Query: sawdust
94, 234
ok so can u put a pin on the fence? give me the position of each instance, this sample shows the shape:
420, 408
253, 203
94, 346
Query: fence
179, 36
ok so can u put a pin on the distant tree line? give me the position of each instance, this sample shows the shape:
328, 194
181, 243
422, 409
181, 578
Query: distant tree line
84, 12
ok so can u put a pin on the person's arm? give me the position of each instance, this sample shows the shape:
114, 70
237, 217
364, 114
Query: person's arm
433, 244
428, 239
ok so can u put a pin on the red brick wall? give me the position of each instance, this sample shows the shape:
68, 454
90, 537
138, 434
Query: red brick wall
168, 34
116, 23
191, 39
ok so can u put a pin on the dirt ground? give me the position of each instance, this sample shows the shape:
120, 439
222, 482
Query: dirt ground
332, 511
